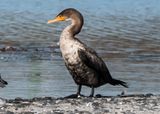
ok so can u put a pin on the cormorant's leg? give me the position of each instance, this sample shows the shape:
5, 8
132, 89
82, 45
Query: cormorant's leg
77, 94
92, 92
79, 89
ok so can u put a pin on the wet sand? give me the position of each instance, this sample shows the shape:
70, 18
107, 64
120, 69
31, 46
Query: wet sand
128, 104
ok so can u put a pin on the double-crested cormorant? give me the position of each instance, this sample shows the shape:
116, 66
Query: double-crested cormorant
3, 83
83, 63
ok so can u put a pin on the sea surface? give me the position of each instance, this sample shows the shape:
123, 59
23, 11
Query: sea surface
125, 33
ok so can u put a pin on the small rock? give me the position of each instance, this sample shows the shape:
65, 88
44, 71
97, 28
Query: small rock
89, 104
98, 96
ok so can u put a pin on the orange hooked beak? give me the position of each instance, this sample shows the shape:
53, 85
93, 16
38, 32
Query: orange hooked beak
57, 19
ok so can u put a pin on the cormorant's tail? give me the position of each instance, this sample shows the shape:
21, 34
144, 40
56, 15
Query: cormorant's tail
118, 82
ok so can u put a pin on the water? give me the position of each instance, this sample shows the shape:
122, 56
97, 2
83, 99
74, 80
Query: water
124, 33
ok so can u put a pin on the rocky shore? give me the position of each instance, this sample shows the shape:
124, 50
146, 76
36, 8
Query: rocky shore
126, 104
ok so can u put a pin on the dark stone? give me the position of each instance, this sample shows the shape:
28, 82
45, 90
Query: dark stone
149, 95
98, 96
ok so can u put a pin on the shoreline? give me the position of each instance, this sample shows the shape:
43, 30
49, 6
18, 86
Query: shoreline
125, 104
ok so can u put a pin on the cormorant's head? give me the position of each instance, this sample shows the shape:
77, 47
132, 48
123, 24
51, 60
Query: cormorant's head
67, 14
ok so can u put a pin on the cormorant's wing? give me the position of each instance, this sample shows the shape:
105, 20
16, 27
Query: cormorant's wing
93, 61
90, 58
2, 82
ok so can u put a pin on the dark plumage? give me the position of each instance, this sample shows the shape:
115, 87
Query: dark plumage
83, 63
3, 83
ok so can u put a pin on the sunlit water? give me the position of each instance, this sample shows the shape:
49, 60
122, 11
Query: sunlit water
124, 33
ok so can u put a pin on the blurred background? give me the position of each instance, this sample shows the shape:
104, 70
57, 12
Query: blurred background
124, 33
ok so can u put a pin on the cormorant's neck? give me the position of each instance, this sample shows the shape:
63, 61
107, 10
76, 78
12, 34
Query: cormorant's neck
74, 28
